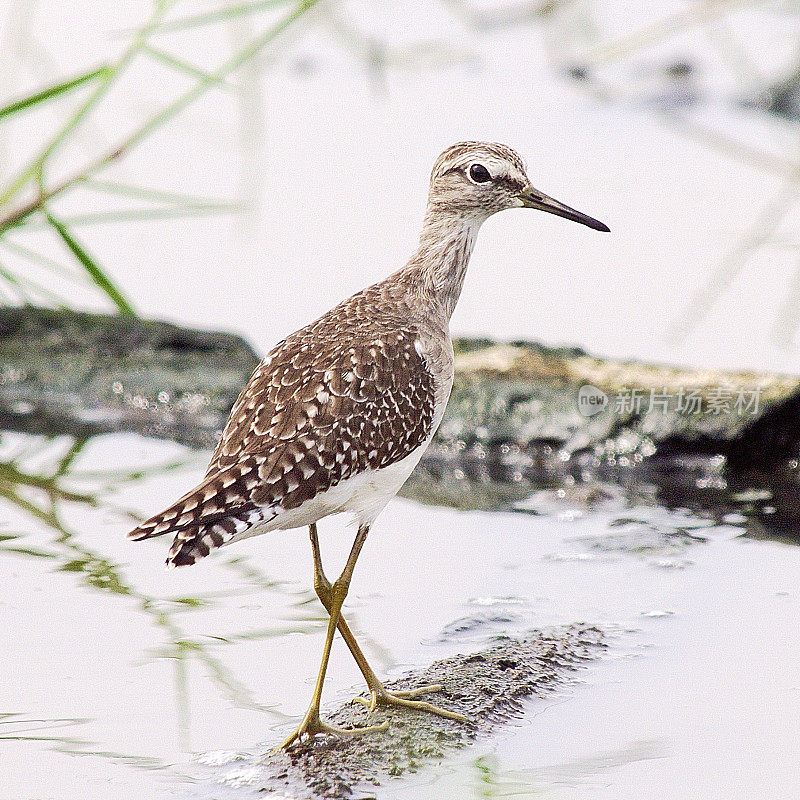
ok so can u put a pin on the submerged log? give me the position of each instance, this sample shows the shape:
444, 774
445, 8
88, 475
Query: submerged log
490, 687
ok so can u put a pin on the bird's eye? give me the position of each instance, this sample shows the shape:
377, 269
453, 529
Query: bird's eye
479, 174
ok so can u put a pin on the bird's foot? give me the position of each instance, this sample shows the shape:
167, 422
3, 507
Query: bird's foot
404, 699
312, 725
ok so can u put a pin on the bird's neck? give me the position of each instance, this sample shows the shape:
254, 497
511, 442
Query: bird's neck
436, 271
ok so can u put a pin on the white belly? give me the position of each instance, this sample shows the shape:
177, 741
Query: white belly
364, 495
371, 491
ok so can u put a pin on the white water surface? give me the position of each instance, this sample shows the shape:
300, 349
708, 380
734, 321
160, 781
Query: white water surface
695, 697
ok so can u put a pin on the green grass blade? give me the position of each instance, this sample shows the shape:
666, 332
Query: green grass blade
144, 215
50, 92
33, 170
43, 261
72, 453
13, 284
221, 15
179, 65
100, 279
226, 68
27, 289
104, 82
145, 193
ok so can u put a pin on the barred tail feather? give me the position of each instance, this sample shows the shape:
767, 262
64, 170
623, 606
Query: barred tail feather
197, 541
201, 506
223, 493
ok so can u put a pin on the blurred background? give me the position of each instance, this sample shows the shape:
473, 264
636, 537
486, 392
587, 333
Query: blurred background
275, 157
242, 165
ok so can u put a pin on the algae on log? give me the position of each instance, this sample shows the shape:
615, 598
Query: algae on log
526, 393
490, 687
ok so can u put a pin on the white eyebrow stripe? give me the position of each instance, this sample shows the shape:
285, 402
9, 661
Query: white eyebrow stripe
498, 167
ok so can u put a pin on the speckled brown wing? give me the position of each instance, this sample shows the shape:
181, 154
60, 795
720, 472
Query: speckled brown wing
324, 405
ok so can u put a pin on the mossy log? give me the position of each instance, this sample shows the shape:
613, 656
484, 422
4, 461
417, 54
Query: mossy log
490, 687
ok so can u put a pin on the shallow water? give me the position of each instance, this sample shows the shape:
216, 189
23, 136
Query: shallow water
121, 676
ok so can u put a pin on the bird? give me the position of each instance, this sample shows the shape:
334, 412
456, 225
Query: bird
337, 415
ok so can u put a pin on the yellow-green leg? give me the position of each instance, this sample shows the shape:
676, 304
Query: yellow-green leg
312, 724
378, 694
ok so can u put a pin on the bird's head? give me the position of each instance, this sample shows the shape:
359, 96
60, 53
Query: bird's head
482, 178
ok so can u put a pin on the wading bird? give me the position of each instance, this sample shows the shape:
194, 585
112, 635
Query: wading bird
338, 414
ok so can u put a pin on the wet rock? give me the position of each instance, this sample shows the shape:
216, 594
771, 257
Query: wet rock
523, 393
783, 97
65, 372
490, 687
526, 422
575, 500
522, 416
640, 537
477, 625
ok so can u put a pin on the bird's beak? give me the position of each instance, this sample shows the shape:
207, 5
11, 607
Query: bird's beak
533, 198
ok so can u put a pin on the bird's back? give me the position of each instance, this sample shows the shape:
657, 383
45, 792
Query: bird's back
351, 393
